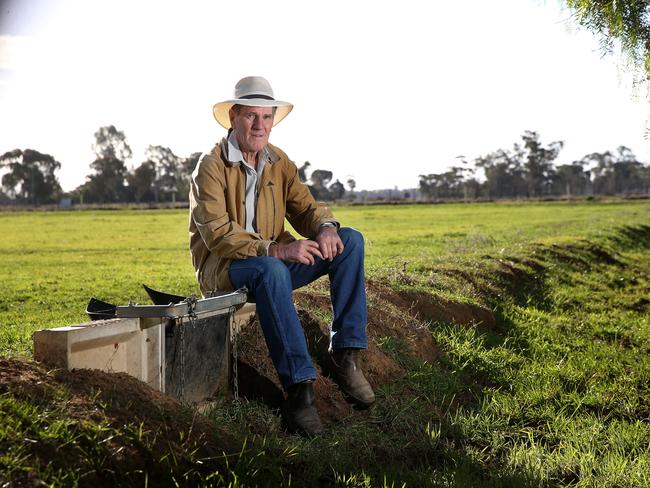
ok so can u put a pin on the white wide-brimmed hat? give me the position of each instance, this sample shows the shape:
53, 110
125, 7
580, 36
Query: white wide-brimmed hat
252, 91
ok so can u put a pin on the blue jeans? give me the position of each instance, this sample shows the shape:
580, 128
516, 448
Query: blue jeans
271, 281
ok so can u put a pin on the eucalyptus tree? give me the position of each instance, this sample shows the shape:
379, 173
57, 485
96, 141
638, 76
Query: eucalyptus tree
107, 181
30, 176
538, 163
168, 171
141, 182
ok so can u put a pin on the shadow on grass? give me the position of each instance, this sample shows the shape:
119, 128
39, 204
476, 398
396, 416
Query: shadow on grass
631, 237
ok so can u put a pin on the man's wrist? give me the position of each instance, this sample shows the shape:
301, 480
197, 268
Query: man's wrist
273, 249
265, 248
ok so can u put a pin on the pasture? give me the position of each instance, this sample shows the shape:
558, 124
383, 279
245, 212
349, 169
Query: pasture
553, 393
53, 262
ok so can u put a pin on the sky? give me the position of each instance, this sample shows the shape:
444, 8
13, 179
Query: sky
383, 90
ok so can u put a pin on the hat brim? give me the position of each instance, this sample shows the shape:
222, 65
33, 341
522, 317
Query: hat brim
221, 110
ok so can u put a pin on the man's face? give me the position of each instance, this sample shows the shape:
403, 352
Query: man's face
252, 127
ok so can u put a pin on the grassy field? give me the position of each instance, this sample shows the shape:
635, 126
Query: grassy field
556, 394
53, 262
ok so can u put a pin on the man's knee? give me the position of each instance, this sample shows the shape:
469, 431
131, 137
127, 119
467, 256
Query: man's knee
256, 271
273, 270
351, 237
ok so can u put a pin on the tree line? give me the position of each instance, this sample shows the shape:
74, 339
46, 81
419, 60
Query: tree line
528, 171
163, 176
30, 176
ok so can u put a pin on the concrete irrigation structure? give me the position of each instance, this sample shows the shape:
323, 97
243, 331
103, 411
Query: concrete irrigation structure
183, 349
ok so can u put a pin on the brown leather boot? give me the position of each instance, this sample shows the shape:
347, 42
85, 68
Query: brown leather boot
299, 411
350, 378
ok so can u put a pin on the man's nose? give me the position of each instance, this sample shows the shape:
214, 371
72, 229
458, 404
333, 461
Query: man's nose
257, 123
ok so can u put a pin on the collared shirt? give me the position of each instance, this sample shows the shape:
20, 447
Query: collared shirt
253, 176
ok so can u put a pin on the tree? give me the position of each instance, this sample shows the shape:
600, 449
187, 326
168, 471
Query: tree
504, 174
302, 171
602, 168
111, 143
141, 181
319, 179
625, 21
168, 172
186, 169
351, 184
31, 176
106, 184
572, 179
428, 185
337, 190
628, 172
616, 173
538, 162
450, 184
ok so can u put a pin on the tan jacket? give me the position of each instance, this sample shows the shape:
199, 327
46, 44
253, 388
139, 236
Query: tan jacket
218, 213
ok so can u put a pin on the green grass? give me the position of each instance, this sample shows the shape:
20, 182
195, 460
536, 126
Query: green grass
421, 234
555, 395
53, 262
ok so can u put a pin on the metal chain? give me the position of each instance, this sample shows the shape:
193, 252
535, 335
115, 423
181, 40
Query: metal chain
235, 355
182, 359
191, 308
191, 314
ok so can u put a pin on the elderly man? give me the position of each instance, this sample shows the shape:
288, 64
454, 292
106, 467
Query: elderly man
241, 192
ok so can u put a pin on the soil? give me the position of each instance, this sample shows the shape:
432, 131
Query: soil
169, 429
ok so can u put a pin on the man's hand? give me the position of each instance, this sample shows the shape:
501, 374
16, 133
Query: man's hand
296, 252
329, 243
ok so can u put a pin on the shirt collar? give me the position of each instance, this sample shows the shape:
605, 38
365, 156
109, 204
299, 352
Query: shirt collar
235, 156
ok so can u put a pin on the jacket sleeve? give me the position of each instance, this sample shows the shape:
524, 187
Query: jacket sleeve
222, 236
303, 212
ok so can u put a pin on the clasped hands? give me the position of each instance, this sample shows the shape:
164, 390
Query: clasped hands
326, 245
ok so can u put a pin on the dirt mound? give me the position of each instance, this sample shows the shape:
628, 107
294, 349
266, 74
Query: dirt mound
165, 428
258, 380
398, 326
128, 400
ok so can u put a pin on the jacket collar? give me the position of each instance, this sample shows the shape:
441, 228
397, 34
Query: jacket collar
231, 154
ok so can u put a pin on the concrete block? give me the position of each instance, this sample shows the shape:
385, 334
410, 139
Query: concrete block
127, 345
